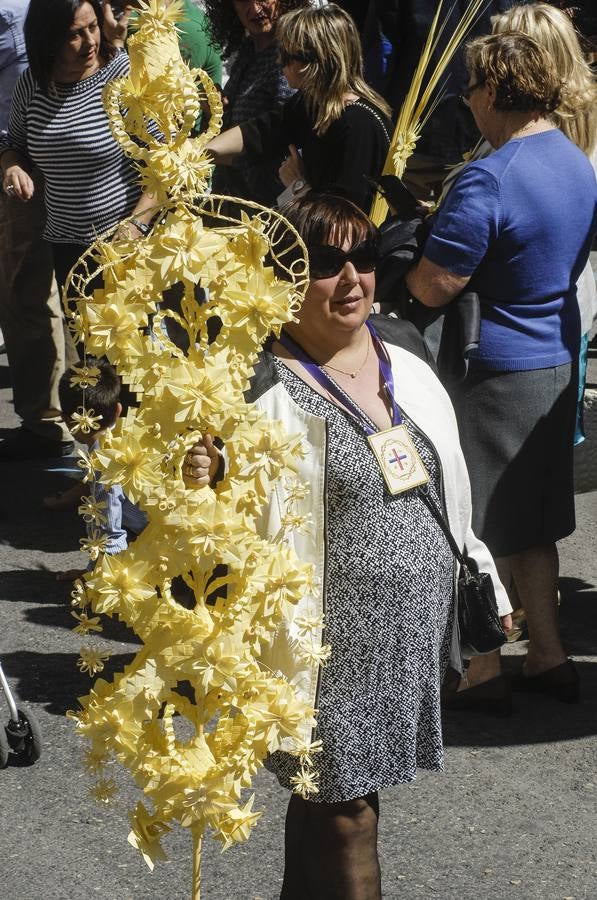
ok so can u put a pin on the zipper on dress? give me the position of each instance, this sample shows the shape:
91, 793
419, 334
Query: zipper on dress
325, 570
442, 495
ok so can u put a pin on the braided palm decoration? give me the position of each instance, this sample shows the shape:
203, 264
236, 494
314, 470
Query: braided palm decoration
244, 585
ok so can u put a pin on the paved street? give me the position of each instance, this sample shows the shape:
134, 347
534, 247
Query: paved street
513, 816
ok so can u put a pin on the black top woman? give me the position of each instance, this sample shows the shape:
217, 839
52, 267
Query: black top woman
336, 129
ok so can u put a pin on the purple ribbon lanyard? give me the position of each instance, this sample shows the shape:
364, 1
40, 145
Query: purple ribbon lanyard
326, 381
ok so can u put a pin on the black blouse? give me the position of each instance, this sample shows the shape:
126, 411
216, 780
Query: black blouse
353, 148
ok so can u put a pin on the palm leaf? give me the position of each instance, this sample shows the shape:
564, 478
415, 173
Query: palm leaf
418, 105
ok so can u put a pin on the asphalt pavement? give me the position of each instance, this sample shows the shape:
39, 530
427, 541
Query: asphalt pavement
512, 816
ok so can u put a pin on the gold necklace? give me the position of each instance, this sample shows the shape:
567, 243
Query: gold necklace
356, 372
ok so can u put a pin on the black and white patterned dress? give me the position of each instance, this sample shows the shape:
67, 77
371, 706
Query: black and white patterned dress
388, 619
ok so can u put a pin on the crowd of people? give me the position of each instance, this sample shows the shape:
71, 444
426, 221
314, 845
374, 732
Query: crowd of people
309, 109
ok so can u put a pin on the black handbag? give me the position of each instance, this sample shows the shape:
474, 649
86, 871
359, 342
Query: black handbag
478, 618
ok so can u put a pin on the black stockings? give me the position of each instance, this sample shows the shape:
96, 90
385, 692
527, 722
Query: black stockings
331, 850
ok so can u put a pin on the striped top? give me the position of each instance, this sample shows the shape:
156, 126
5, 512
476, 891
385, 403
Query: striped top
120, 515
89, 184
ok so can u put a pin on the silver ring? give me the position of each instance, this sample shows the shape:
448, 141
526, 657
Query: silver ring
9, 188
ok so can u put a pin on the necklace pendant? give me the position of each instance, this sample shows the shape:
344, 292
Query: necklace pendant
353, 374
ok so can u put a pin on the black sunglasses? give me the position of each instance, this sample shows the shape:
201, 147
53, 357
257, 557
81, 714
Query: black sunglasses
326, 260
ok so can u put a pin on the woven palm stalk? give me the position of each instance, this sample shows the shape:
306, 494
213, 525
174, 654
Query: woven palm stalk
417, 106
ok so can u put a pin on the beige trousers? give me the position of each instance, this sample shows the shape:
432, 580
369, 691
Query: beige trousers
38, 345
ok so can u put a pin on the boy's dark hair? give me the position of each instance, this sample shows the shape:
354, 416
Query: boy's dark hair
46, 29
102, 397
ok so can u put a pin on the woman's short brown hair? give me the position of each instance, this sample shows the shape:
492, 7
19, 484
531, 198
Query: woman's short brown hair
329, 219
322, 219
521, 71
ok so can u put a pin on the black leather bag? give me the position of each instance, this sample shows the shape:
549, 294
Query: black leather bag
478, 618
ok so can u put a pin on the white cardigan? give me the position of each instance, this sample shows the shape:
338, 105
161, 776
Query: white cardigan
423, 398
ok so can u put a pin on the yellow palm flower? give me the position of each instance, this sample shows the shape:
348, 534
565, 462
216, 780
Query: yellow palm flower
305, 783
91, 510
86, 623
236, 825
147, 832
84, 376
130, 462
104, 790
79, 595
84, 463
85, 420
92, 660
305, 749
94, 545
116, 579
95, 760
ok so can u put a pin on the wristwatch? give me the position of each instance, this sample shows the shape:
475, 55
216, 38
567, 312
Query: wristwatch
143, 227
290, 192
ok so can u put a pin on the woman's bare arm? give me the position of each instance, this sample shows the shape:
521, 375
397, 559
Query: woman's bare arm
433, 285
226, 146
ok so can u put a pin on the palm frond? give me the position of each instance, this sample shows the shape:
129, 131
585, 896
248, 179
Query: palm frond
418, 104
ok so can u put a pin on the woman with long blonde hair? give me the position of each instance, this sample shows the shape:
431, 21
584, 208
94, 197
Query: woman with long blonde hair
336, 129
246, 31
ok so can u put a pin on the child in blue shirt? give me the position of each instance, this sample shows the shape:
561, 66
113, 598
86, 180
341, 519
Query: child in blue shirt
119, 514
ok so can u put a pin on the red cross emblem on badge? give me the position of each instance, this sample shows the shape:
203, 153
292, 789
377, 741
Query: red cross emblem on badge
397, 458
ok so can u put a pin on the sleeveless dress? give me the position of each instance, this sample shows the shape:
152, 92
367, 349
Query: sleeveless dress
388, 618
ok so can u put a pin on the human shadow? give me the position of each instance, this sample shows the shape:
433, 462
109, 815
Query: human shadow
52, 680
50, 616
578, 619
25, 523
4, 377
52, 607
33, 586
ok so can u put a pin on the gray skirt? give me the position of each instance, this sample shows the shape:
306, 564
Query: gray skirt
516, 430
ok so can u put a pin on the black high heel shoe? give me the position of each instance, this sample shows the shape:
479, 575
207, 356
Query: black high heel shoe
562, 683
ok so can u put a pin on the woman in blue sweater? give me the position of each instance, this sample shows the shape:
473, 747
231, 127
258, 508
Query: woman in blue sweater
516, 227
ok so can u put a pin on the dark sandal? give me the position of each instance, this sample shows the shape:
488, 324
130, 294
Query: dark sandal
562, 683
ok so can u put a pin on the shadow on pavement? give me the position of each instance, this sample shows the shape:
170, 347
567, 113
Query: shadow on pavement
53, 679
578, 619
32, 586
50, 616
535, 719
24, 522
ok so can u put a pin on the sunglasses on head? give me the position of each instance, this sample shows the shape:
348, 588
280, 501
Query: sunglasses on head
326, 260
